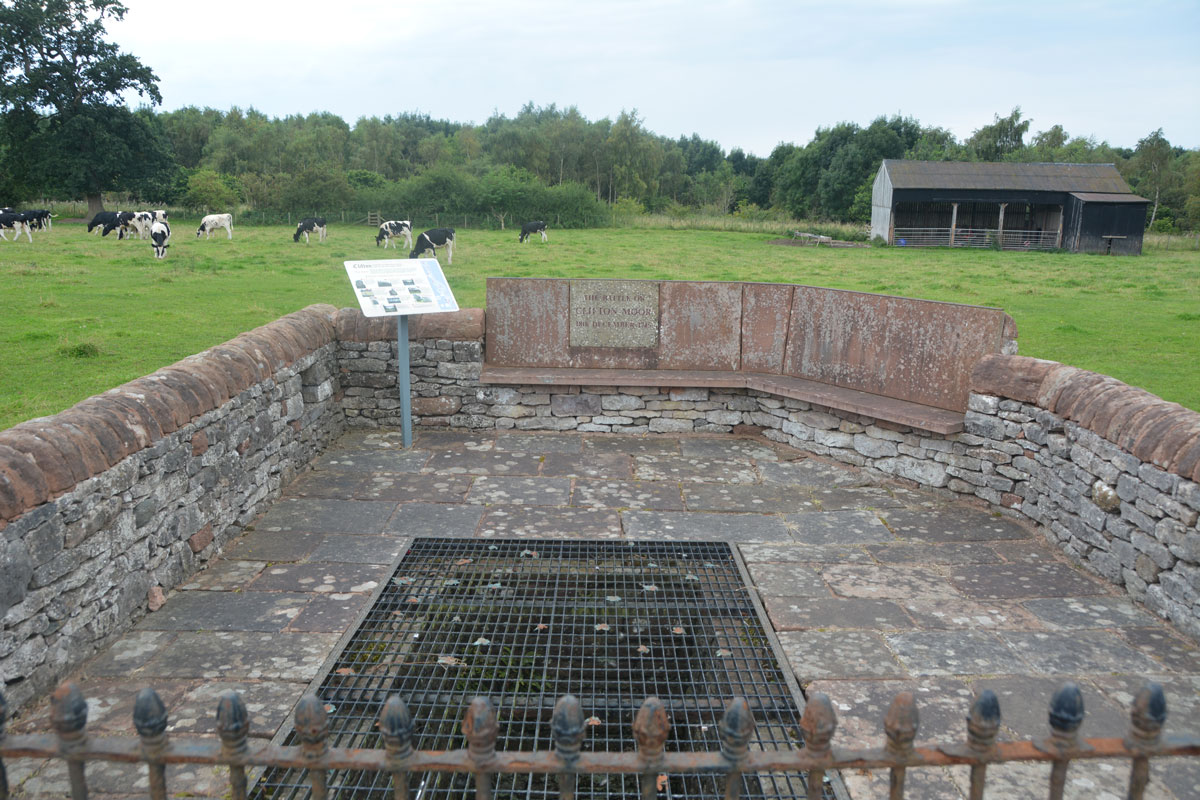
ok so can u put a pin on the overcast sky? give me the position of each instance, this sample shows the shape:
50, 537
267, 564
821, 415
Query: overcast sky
747, 74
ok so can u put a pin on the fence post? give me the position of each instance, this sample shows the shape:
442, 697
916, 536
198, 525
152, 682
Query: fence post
1146, 720
819, 722
396, 724
1066, 715
650, 728
481, 728
982, 727
566, 725
233, 728
734, 730
68, 717
312, 729
900, 724
150, 720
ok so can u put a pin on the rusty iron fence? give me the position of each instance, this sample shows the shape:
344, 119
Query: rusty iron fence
652, 763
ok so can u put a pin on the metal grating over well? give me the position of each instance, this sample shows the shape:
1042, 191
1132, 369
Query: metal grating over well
524, 622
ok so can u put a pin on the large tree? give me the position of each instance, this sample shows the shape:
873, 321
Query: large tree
65, 127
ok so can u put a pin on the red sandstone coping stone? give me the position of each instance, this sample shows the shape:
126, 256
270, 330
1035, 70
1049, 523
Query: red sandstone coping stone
1016, 377
1053, 384
1174, 441
192, 400
464, 325
128, 425
22, 484
1124, 415
237, 372
235, 359
264, 348
154, 411
1098, 404
1081, 386
55, 470
167, 404
212, 372
112, 447
1187, 461
1145, 437
60, 441
91, 451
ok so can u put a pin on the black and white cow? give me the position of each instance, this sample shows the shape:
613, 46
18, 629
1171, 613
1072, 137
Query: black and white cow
432, 239
214, 221
160, 238
310, 225
101, 221
38, 218
122, 223
16, 224
530, 228
394, 229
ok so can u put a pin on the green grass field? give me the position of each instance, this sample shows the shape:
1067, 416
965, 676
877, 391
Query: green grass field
80, 314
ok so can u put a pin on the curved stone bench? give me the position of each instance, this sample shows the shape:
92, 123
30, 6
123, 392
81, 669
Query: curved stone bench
899, 360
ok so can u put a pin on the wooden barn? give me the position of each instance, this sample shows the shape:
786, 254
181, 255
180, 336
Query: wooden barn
1083, 208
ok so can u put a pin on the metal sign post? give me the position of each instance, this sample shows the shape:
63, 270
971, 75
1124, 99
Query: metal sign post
401, 288
404, 380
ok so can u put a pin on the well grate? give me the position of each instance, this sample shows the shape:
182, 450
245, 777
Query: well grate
524, 622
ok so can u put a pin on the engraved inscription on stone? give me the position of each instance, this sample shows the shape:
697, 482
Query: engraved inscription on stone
614, 314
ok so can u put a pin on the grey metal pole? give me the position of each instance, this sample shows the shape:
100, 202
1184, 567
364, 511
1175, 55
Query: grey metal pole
405, 382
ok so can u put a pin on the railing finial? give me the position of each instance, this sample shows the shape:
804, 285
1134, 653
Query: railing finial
1066, 715
901, 723
149, 715
233, 722
1146, 717
983, 724
481, 729
312, 726
395, 722
233, 729
819, 722
650, 728
68, 715
568, 728
735, 729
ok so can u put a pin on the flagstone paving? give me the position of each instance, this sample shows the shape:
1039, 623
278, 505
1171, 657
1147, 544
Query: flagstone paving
872, 588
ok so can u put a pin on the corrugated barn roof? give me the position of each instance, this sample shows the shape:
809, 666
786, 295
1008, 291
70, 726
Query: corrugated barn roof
1102, 178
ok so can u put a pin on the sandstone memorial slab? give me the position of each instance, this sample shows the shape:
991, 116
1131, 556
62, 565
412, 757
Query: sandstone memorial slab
608, 313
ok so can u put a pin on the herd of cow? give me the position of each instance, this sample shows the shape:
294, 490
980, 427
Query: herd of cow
153, 225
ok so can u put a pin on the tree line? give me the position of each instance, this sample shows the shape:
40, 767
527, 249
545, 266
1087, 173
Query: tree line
63, 135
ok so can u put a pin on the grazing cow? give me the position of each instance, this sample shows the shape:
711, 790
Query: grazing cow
14, 223
160, 238
530, 228
214, 221
38, 218
432, 239
101, 221
310, 225
394, 229
122, 223
159, 215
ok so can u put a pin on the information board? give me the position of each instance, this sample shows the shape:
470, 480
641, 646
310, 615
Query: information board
399, 287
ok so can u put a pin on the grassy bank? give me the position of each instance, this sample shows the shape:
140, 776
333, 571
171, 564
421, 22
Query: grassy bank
79, 315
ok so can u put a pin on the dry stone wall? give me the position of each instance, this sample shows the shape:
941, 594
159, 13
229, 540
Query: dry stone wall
108, 505
112, 503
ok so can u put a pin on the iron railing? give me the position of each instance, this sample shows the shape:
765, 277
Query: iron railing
651, 728
976, 237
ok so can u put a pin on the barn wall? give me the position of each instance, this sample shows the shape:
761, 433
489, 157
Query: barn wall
881, 206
